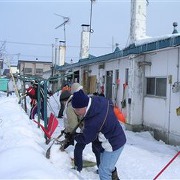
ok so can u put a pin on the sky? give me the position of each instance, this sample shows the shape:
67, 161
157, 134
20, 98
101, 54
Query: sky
22, 150
28, 26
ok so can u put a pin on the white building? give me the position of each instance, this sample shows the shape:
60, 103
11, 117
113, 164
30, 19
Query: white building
143, 79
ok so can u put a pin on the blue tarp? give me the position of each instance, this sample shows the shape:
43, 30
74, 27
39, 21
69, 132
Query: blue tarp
3, 84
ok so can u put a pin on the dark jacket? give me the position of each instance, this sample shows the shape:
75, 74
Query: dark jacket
104, 130
65, 95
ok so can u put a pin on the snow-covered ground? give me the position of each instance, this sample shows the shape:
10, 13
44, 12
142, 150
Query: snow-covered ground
23, 147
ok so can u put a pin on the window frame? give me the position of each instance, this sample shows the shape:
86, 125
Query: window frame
40, 71
156, 92
28, 70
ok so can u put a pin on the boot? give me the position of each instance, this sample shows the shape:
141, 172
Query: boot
77, 169
115, 175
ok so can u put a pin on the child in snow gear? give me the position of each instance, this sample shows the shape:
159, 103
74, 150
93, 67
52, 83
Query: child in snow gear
100, 127
32, 92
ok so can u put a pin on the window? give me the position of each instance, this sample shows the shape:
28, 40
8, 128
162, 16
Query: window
150, 86
156, 86
39, 71
126, 75
117, 76
27, 70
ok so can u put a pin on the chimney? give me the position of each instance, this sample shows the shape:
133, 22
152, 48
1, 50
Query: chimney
62, 53
138, 20
85, 41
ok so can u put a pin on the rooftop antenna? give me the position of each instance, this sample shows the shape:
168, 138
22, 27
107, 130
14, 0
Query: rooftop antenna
66, 20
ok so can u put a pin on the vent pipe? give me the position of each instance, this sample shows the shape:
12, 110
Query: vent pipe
85, 41
175, 24
62, 53
138, 20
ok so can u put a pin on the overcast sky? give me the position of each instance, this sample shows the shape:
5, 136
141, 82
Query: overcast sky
28, 27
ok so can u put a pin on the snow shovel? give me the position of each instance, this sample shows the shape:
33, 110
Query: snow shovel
66, 141
54, 140
86, 163
53, 123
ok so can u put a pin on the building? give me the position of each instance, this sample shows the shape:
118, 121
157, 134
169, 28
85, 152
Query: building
143, 79
33, 68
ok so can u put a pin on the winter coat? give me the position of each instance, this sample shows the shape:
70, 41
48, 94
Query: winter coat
69, 117
35, 94
65, 95
31, 92
101, 126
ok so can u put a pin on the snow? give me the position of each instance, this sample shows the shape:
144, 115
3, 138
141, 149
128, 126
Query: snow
23, 147
148, 39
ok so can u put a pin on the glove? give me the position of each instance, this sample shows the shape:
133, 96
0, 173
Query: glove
68, 143
69, 140
69, 137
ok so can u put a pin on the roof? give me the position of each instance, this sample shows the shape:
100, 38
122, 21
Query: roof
33, 61
140, 47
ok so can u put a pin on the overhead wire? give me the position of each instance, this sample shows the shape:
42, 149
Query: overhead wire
45, 45
48, 45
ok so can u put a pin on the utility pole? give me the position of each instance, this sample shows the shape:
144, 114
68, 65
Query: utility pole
90, 23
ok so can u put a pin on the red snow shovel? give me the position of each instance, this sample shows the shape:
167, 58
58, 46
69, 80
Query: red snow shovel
53, 123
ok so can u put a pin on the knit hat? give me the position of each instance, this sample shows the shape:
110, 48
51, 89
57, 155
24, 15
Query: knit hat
26, 86
79, 99
65, 95
75, 87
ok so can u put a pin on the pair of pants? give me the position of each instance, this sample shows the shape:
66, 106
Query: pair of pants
107, 163
60, 115
34, 110
78, 153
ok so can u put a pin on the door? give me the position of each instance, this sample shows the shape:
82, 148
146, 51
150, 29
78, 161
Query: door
109, 82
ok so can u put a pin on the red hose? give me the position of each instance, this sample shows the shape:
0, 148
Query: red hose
167, 165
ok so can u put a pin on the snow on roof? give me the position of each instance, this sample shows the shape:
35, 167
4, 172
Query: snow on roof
149, 39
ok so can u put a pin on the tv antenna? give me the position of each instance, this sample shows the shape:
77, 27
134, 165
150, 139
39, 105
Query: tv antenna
66, 20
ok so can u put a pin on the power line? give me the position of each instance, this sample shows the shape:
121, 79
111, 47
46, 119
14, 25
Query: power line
34, 44
35, 56
48, 45
42, 56
45, 45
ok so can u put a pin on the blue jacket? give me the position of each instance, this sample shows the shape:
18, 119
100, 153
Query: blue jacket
102, 127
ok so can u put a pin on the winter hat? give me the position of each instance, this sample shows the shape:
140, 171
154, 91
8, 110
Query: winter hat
79, 99
26, 86
65, 95
34, 83
75, 87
